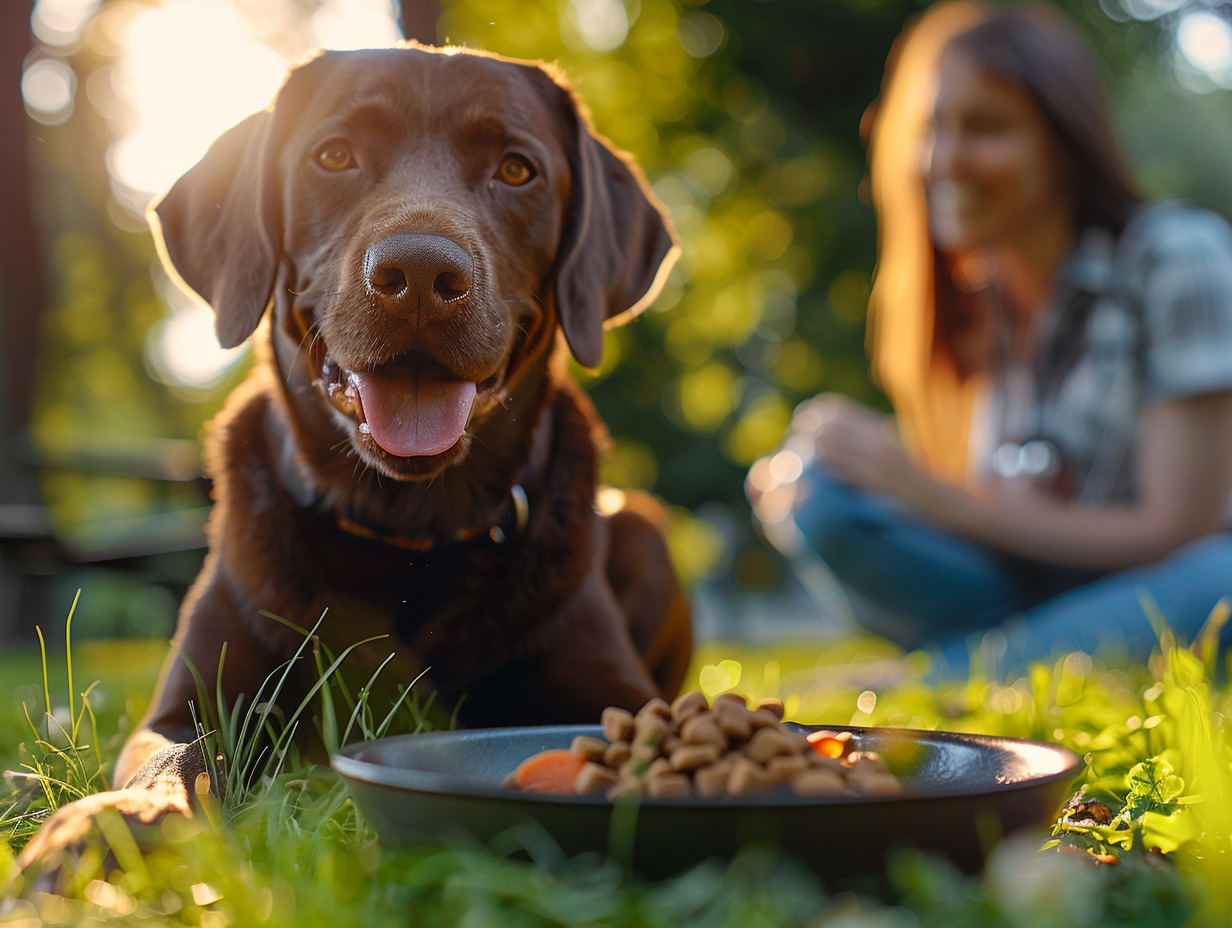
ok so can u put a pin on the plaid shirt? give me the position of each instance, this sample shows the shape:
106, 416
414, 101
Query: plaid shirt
1133, 322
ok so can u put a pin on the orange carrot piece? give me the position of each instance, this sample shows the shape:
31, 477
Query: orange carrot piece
826, 744
549, 772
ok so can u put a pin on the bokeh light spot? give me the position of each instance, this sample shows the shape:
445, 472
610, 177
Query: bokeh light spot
602, 24
706, 396
1205, 39
59, 23
47, 88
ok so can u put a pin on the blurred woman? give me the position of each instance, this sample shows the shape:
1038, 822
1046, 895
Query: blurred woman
1058, 353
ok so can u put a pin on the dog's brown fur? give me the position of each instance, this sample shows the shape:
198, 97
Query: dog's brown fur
575, 611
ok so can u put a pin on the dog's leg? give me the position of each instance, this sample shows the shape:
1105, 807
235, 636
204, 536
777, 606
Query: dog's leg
645, 587
591, 664
592, 660
161, 769
211, 625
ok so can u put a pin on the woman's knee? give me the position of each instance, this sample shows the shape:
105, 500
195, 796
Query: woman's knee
1183, 590
833, 518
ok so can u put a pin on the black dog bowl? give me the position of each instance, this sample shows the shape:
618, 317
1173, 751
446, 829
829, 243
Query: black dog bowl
962, 793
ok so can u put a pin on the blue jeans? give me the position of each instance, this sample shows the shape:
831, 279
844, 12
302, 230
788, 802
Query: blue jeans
924, 587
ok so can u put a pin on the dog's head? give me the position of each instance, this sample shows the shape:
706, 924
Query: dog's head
420, 222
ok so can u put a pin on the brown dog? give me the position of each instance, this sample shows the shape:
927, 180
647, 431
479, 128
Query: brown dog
407, 457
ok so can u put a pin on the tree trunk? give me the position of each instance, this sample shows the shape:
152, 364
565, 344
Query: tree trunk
418, 19
22, 294
28, 554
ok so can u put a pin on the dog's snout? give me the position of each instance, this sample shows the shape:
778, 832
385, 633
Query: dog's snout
413, 272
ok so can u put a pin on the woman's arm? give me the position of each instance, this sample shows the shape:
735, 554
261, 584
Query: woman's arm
1184, 478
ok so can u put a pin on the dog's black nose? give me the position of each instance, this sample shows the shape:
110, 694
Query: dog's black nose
409, 273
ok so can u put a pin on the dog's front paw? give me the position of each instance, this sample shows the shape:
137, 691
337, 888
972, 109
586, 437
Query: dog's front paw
177, 769
172, 781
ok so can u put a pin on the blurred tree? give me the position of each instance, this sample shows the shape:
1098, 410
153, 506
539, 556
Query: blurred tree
27, 554
418, 19
21, 266
752, 139
745, 115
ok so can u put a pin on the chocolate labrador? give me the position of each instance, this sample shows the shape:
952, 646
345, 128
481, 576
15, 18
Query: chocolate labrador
427, 233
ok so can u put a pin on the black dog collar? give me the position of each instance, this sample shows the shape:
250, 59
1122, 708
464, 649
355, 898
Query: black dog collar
508, 522
511, 520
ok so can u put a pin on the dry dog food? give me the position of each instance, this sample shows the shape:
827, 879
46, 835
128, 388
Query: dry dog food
694, 748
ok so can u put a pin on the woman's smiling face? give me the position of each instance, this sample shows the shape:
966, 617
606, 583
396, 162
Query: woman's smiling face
994, 169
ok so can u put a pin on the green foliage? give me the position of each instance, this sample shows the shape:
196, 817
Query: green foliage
64, 761
1153, 787
767, 302
745, 116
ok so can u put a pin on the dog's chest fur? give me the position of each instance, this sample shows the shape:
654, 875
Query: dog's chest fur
462, 609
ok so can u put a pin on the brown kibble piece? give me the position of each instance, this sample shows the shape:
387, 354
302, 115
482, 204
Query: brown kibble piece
690, 748
827, 763
711, 782
657, 708
617, 753
650, 727
783, 768
594, 778
703, 728
772, 742
773, 706
658, 767
876, 784
669, 786
689, 705
625, 787
818, 781
764, 718
648, 734
776, 776
617, 724
746, 778
729, 699
734, 720
795, 739
588, 748
692, 756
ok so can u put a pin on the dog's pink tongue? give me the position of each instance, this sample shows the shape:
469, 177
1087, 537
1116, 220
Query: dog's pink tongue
413, 414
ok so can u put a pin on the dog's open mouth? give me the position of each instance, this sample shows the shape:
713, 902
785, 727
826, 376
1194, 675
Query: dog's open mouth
409, 408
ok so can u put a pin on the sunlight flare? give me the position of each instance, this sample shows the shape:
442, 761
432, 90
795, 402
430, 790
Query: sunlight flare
189, 70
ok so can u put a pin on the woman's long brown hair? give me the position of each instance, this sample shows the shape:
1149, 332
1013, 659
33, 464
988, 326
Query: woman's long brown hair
919, 312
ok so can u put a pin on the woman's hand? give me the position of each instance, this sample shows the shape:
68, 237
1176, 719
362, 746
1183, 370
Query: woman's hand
1184, 476
861, 447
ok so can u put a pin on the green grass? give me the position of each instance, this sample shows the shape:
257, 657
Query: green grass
288, 847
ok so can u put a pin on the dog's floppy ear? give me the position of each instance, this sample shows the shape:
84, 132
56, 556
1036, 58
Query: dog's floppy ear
216, 227
617, 245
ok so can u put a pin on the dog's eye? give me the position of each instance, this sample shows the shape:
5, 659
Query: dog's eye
335, 156
515, 171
